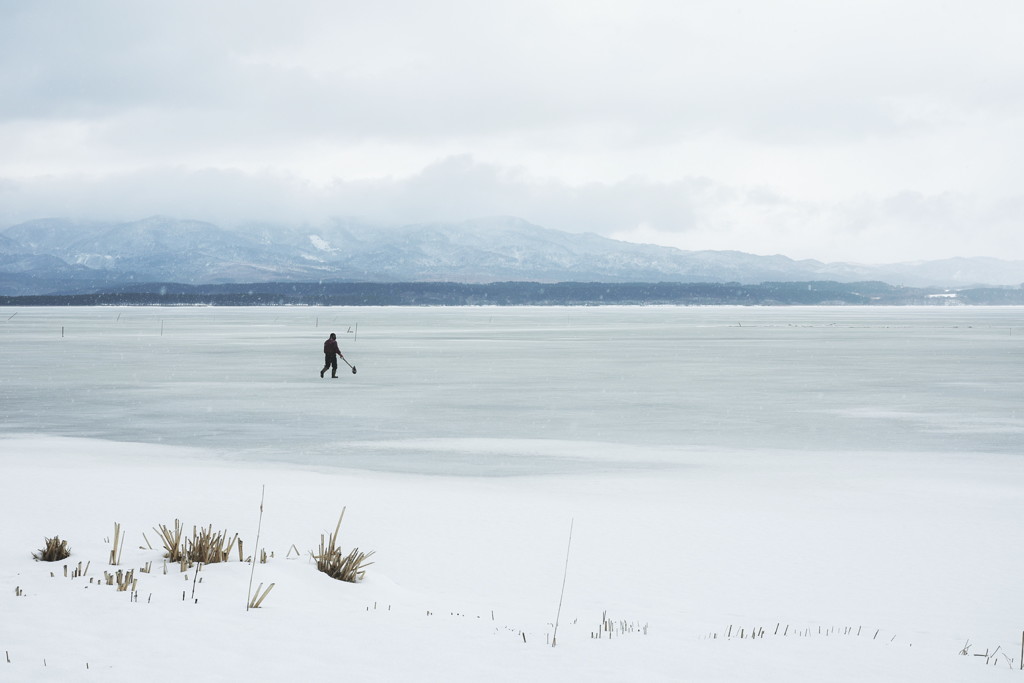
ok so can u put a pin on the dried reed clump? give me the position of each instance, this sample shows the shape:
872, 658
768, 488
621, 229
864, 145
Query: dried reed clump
53, 550
334, 563
172, 540
205, 546
208, 546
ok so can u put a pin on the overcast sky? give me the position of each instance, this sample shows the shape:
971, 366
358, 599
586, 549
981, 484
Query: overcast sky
872, 131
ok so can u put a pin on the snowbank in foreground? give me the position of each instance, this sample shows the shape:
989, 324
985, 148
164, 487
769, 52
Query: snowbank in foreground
856, 566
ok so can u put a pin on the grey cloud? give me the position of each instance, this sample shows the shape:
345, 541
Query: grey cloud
452, 190
464, 69
689, 213
111, 106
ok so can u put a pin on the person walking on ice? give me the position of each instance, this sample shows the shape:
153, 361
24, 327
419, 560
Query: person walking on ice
331, 353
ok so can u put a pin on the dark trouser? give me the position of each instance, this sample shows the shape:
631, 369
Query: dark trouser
330, 361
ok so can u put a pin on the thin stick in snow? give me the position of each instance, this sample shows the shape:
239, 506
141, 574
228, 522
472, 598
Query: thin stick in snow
259, 526
565, 574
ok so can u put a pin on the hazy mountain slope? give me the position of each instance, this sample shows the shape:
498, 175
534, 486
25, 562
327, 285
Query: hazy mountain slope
160, 249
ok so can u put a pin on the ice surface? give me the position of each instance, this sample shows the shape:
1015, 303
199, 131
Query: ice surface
245, 381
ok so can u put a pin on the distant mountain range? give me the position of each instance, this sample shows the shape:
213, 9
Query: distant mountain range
60, 256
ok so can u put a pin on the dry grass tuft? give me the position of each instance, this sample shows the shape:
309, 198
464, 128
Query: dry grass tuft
53, 550
334, 563
205, 546
172, 540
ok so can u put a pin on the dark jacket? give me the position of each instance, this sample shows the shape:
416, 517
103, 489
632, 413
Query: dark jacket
331, 347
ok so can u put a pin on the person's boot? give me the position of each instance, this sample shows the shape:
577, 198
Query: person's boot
322, 373
334, 377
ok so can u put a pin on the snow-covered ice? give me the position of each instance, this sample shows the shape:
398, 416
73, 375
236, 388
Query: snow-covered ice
849, 480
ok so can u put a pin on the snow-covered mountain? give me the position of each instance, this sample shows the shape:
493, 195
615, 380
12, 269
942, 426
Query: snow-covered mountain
60, 255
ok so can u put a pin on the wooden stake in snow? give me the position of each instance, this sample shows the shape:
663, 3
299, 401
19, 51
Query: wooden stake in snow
565, 574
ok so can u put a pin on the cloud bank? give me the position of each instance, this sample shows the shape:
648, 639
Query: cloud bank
876, 132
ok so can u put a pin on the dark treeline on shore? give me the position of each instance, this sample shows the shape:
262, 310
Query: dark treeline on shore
521, 294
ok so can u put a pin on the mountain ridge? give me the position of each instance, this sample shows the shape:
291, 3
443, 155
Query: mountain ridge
59, 255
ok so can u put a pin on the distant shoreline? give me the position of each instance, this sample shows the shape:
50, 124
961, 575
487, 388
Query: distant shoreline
823, 293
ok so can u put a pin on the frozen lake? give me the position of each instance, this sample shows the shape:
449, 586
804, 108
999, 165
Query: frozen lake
498, 391
833, 470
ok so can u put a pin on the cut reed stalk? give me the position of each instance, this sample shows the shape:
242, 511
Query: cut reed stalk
258, 598
118, 546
